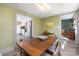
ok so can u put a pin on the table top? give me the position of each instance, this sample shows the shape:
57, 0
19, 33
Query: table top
36, 47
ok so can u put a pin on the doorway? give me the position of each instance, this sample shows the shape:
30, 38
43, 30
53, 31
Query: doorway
67, 28
24, 27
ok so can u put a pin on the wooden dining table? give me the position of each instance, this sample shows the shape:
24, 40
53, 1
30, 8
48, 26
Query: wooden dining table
35, 46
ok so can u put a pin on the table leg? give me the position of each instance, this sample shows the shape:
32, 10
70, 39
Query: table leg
21, 52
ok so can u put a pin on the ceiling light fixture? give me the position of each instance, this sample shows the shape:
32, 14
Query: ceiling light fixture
42, 6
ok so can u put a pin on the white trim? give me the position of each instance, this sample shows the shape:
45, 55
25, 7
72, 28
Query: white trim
15, 27
9, 49
60, 26
67, 16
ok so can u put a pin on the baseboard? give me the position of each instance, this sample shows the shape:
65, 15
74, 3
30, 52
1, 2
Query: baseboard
76, 42
9, 49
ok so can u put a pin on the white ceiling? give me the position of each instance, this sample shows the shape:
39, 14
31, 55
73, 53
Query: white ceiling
54, 8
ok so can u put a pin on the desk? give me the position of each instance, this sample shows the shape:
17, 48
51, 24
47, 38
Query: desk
35, 47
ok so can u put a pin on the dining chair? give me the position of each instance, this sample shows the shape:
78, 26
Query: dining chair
54, 51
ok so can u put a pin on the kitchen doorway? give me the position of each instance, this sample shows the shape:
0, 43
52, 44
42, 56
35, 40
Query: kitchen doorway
24, 27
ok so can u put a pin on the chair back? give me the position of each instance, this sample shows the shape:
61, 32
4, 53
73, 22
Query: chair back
57, 50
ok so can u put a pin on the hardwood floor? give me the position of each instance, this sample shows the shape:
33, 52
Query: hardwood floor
69, 49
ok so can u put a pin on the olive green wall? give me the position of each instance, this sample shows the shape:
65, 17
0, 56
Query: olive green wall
36, 27
8, 25
56, 24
